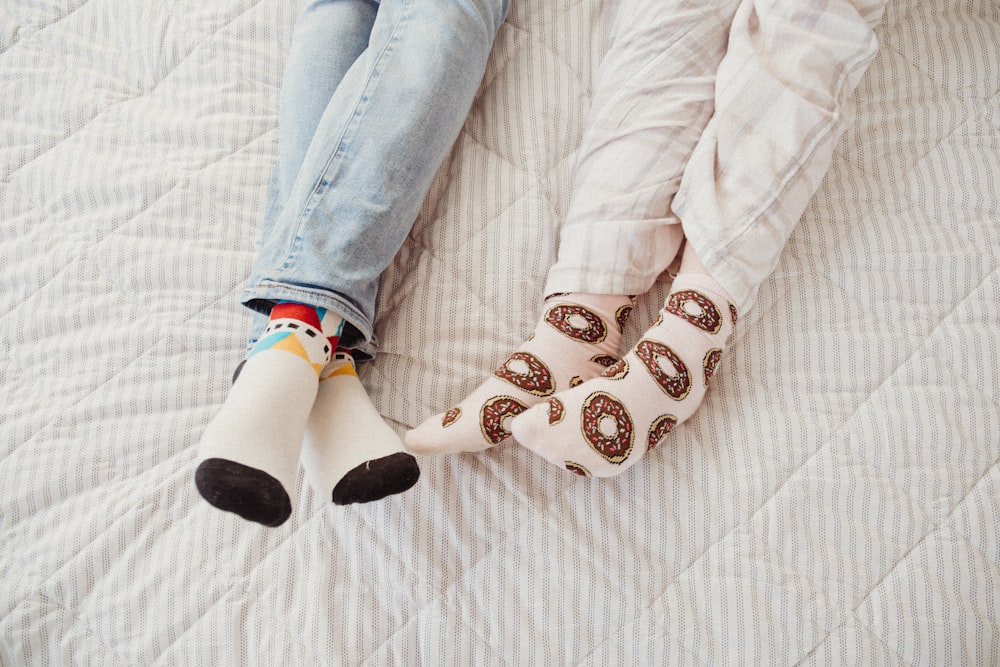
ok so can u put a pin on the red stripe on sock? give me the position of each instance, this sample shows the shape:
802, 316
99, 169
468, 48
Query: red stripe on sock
296, 311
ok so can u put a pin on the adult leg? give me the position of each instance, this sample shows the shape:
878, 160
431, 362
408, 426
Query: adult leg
783, 95
654, 97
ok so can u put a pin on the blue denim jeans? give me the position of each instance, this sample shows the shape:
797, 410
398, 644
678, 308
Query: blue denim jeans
373, 97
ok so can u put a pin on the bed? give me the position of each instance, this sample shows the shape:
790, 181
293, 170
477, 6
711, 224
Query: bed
835, 501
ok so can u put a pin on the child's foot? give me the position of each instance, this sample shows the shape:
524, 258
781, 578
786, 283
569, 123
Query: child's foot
250, 452
350, 454
607, 424
576, 339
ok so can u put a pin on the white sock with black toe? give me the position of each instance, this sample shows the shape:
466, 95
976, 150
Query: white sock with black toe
250, 452
350, 454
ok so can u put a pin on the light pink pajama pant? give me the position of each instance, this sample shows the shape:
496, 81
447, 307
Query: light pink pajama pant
718, 118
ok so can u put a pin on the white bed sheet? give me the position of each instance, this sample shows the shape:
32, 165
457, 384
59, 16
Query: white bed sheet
837, 499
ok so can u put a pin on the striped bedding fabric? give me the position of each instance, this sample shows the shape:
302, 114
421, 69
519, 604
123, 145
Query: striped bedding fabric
835, 501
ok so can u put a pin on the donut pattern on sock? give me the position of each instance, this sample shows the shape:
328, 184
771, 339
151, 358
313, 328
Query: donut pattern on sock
616, 372
614, 446
605, 360
733, 314
577, 469
708, 318
451, 417
493, 414
658, 430
650, 352
537, 381
562, 317
622, 316
556, 411
710, 363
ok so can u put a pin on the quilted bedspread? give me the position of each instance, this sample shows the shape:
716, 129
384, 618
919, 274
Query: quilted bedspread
836, 500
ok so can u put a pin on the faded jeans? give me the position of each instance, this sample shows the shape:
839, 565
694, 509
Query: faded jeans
373, 98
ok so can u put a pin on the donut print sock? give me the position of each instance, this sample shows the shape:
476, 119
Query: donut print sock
250, 452
350, 454
606, 425
577, 337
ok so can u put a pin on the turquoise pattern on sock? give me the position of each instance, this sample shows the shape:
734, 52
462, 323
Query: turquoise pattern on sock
268, 342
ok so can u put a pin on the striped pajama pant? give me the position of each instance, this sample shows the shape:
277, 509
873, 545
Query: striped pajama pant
714, 122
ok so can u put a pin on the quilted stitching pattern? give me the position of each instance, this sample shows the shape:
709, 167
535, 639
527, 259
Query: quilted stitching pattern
836, 500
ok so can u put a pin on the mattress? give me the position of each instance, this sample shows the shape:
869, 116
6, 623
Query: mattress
835, 501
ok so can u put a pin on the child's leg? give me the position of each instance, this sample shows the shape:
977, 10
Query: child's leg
250, 452
372, 156
577, 338
329, 37
350, 454
606, 425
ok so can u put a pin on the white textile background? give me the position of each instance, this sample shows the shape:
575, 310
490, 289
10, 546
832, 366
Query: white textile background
837, 500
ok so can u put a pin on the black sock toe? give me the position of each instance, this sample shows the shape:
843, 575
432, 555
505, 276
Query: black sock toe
248, 492
239, 369
376, 479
